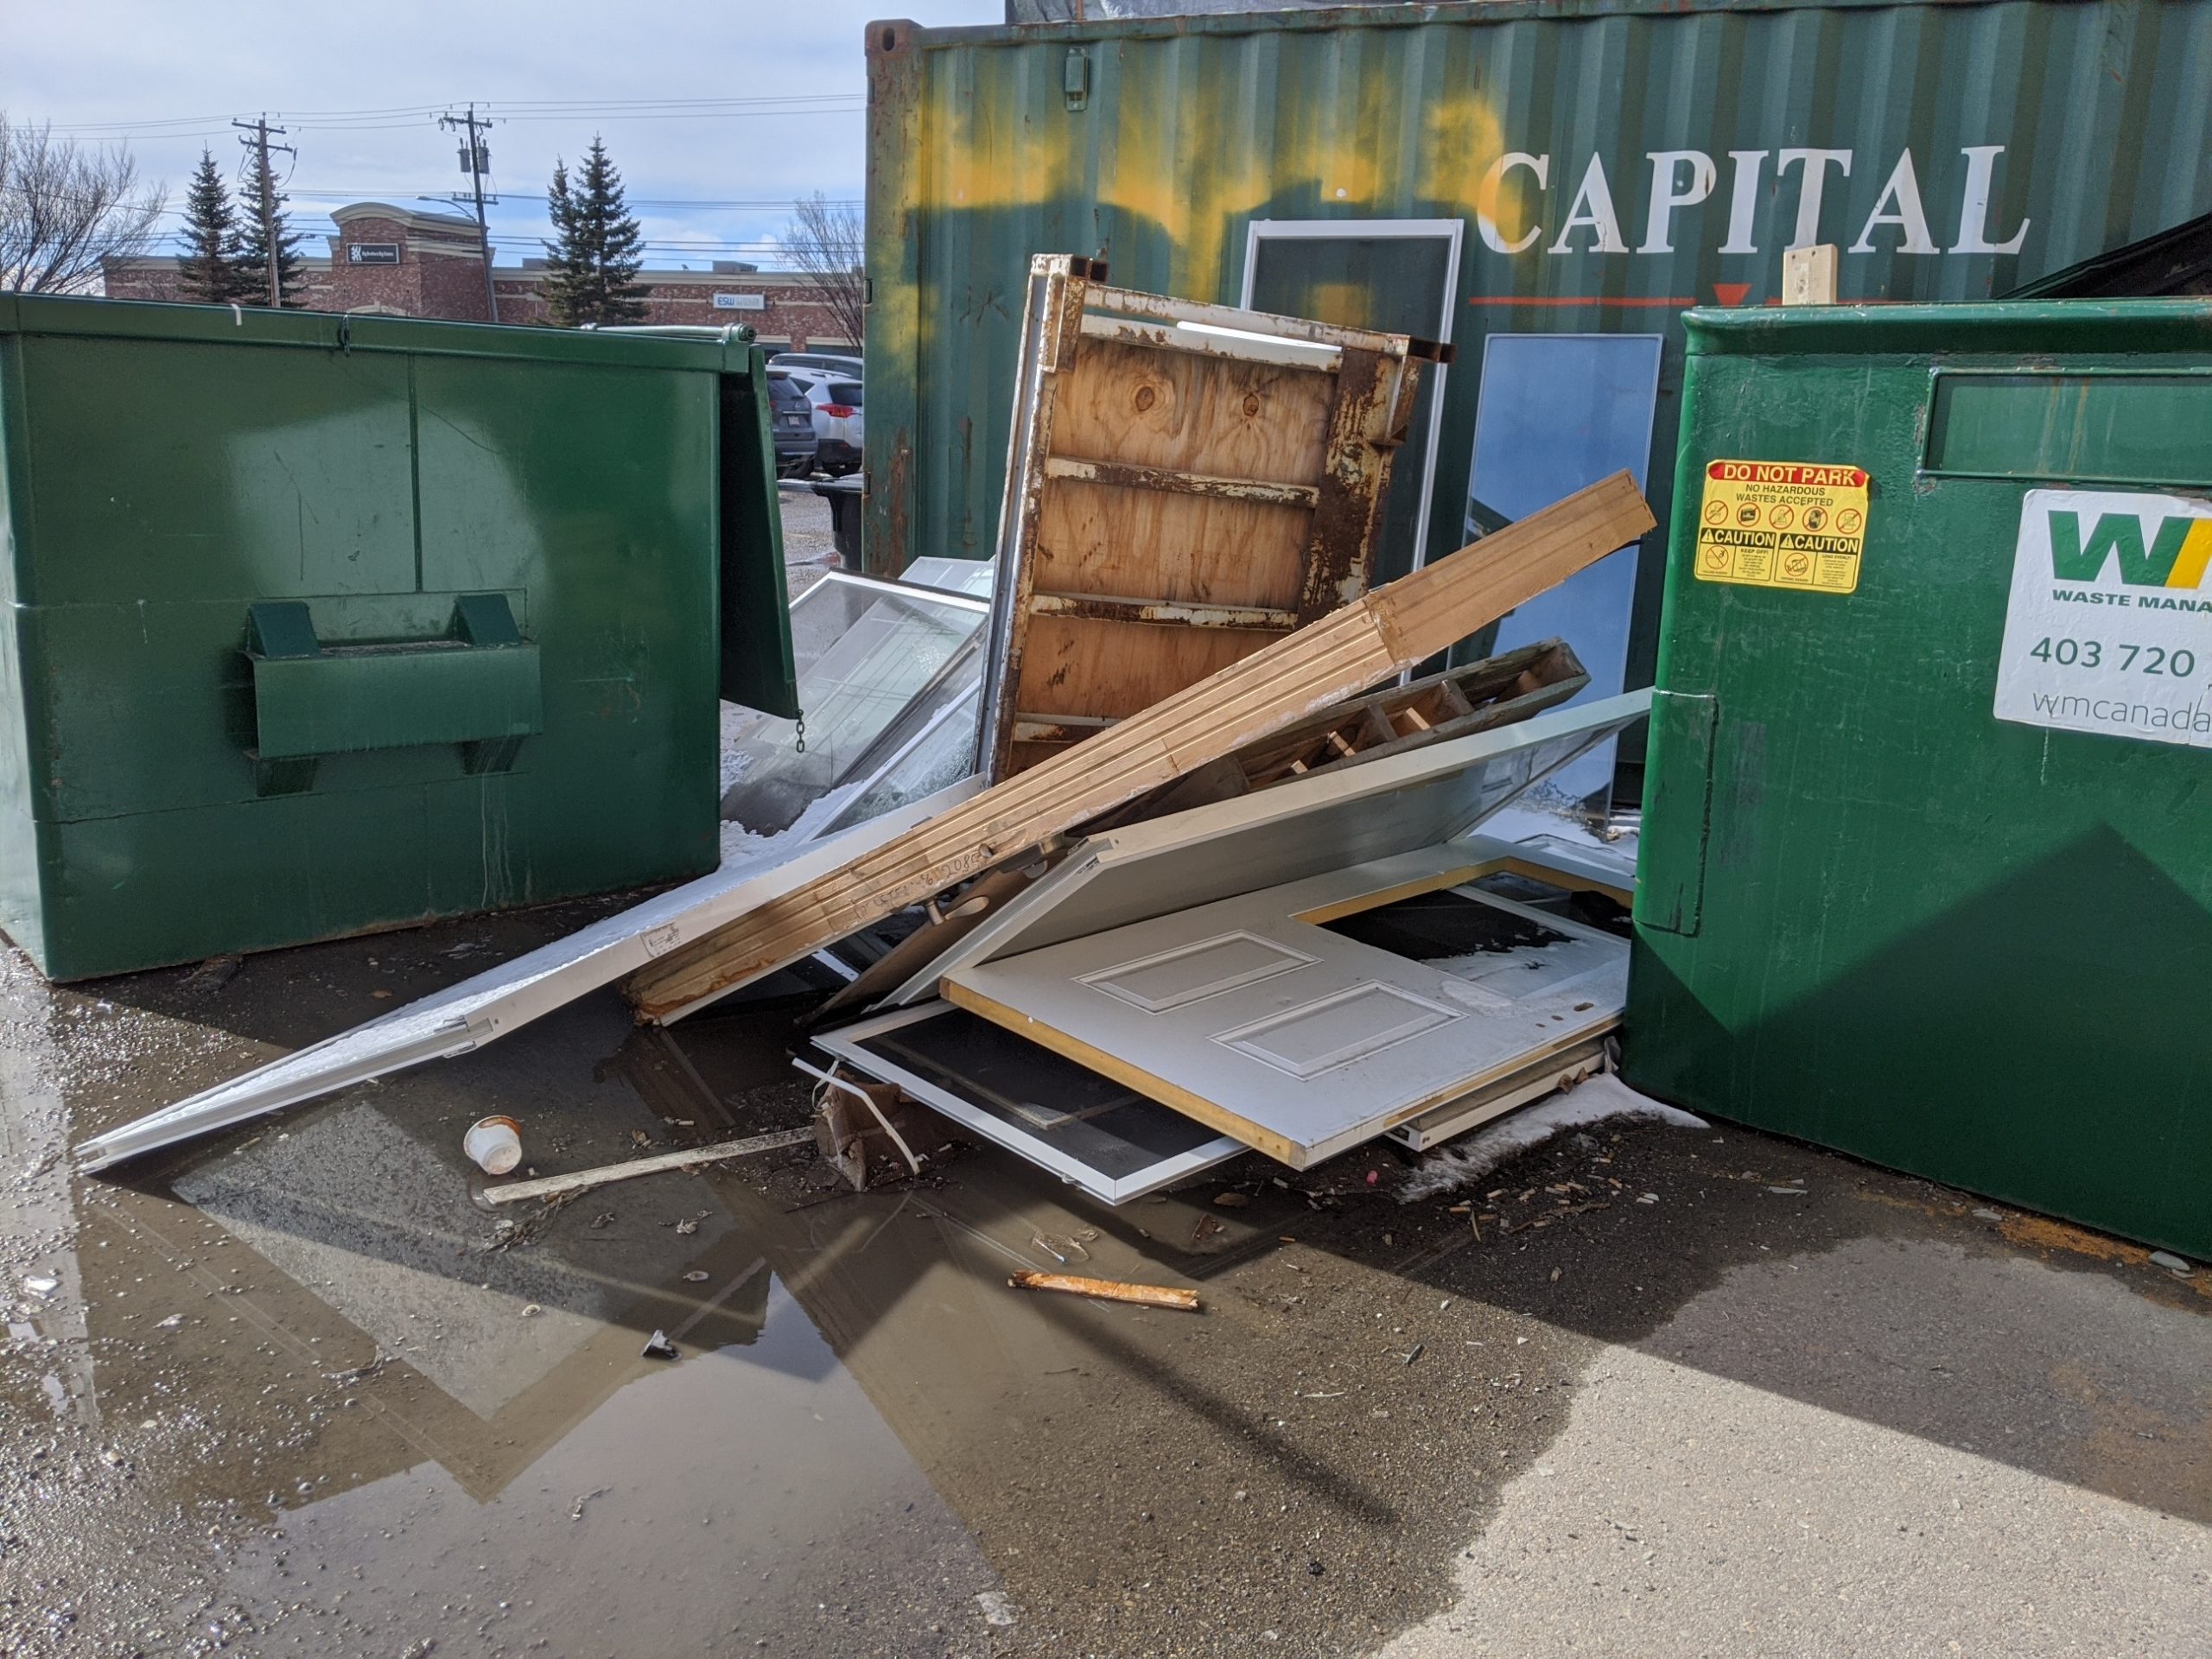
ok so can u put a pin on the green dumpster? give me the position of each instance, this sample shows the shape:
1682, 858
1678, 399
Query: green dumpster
1927, 857
320, 624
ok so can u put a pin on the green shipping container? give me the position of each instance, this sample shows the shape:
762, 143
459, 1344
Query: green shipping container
1547, 184
1925, 871
321, 624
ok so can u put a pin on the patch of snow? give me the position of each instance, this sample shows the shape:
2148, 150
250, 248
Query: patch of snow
1603, 1099
741, 844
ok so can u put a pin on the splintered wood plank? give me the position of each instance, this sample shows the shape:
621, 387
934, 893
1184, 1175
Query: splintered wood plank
1295, 678
1117, 607
1169, 409
1162, 478
1094, 539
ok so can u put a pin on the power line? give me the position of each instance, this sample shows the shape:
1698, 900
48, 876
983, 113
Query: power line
373, 120
377, 193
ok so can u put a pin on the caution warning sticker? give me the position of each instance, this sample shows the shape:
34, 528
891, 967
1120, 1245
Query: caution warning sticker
1782, 524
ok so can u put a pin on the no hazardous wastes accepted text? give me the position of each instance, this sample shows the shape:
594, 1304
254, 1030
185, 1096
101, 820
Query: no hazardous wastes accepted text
1782, 524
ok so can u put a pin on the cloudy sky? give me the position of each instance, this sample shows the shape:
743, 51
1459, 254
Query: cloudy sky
718, 115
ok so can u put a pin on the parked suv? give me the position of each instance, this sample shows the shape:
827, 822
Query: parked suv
837, 433
843, 364
793, 423
836, 399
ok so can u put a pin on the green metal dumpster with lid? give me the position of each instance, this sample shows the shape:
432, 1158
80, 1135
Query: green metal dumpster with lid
1926, 871
321, 624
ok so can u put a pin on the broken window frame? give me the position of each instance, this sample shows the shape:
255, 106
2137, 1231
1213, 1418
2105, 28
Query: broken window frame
849, 1043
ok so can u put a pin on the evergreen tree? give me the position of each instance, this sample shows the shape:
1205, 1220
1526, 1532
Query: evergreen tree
597, 247
263, 206
210, 267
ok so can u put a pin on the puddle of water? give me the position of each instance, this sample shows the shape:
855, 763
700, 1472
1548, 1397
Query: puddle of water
744, 1493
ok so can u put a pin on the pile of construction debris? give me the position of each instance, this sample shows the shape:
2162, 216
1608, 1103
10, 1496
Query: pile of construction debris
1139, 845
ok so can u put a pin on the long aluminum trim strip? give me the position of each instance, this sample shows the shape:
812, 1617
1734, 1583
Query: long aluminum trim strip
480, 1010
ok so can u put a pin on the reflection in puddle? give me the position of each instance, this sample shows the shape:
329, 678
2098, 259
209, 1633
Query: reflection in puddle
748, 1491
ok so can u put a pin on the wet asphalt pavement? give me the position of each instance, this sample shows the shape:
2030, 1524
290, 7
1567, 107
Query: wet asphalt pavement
295, 1389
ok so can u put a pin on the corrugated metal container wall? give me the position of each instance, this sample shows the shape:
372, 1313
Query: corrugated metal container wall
1606, 166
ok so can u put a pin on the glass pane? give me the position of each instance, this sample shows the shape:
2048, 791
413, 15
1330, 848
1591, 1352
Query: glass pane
1049, 1100
865, 652
1558, 412
939, 752
973, 576
1393, 282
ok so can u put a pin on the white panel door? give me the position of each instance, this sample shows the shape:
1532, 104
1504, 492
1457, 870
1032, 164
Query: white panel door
1296, 1037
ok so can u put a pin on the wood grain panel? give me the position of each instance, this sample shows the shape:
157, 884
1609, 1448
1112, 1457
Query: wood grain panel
1094, 539
1151, 408
1078, 665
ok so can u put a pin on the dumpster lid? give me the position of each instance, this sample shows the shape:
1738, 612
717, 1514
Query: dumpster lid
2042, 328
226, 325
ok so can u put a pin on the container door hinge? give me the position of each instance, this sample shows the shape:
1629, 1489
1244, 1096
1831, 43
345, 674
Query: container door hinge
1075, 77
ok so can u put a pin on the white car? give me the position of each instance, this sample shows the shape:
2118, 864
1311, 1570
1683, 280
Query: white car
837, 420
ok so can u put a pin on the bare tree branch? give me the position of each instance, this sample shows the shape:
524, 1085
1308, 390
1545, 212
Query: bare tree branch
827, 243
65, 207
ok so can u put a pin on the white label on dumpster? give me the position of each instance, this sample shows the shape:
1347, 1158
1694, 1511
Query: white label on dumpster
2109, 629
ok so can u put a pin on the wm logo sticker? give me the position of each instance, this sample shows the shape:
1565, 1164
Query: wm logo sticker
2173, 556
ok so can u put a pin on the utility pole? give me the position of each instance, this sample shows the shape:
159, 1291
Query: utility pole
476, 161
265, 190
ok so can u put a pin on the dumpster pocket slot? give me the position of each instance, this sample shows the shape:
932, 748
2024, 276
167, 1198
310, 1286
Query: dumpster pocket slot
477, 687
2083, 426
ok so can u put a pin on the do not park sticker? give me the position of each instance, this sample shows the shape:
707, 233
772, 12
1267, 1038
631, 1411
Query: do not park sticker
1782, 524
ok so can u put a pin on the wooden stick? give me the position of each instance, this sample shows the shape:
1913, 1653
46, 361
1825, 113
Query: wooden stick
553, 1186
1108, 1290
1296, 677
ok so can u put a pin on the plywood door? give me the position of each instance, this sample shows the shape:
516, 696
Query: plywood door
1177, 499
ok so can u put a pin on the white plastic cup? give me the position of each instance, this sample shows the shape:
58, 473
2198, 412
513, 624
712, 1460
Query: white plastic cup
494, 1145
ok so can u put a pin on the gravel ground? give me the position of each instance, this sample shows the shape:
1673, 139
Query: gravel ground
808, 550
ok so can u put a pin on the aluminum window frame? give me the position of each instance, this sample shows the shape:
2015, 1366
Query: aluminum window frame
846, 1044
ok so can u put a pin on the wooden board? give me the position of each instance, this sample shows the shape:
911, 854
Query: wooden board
1385, 632
1457, 702
1170, 510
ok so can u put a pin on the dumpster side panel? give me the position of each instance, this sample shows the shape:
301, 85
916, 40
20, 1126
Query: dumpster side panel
485, 564
607, 516
754, 590
1968, 948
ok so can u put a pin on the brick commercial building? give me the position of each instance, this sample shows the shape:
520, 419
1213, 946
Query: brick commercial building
396, 262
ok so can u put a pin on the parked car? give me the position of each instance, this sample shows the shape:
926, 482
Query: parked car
793, 417
838, 434
845, 365
836, 404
